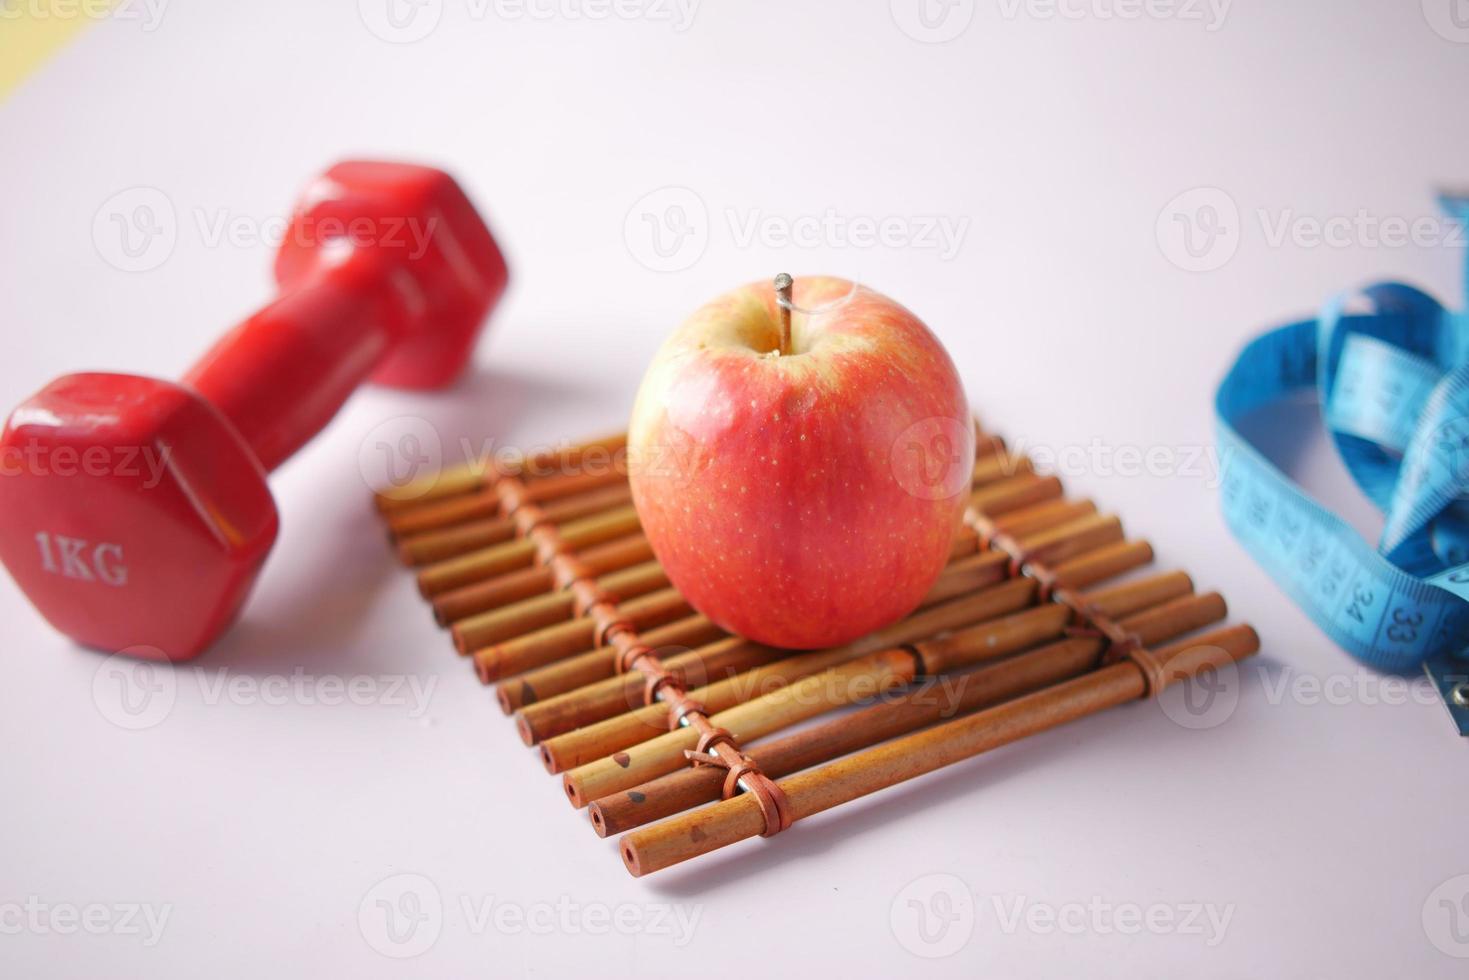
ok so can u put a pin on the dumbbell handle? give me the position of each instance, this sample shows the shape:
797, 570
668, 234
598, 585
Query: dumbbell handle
282, 374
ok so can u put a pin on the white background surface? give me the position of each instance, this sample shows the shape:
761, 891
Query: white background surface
1322, 828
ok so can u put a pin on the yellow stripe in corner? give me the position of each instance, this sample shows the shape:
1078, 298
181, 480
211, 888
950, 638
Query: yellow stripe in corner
31, 31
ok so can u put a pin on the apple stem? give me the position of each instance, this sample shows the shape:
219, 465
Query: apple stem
783, 285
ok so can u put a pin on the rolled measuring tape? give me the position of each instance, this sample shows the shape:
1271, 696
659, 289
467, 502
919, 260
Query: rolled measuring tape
1390, 368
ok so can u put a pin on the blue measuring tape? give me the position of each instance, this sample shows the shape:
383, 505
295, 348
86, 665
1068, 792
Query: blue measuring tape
1392, 378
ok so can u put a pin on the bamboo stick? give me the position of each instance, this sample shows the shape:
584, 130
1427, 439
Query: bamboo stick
611, 700
1166, 614
931, 701
986, 445
594, 710
557, 485
964, 575
1015, 493
815, 694
521, 552
1037, 517
1000, 466
526, 615
469, 521
602, 739
695, 631
1102, 564
1069, 540
483, 503
508, 556
464, 480
1126, 598
557, 459
467, 600
438, 487
615, 695
808, 793
966, 543
596, 664
1176, 616
472, 474
452, 573
559, 640
424, 547
461, 537
611, 695
525, 583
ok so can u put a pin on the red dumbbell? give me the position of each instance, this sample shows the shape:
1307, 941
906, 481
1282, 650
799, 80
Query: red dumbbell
134, 512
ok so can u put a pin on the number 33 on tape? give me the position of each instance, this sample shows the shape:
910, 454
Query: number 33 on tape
1392, 378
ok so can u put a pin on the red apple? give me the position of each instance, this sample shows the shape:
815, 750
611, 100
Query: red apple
804, 497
